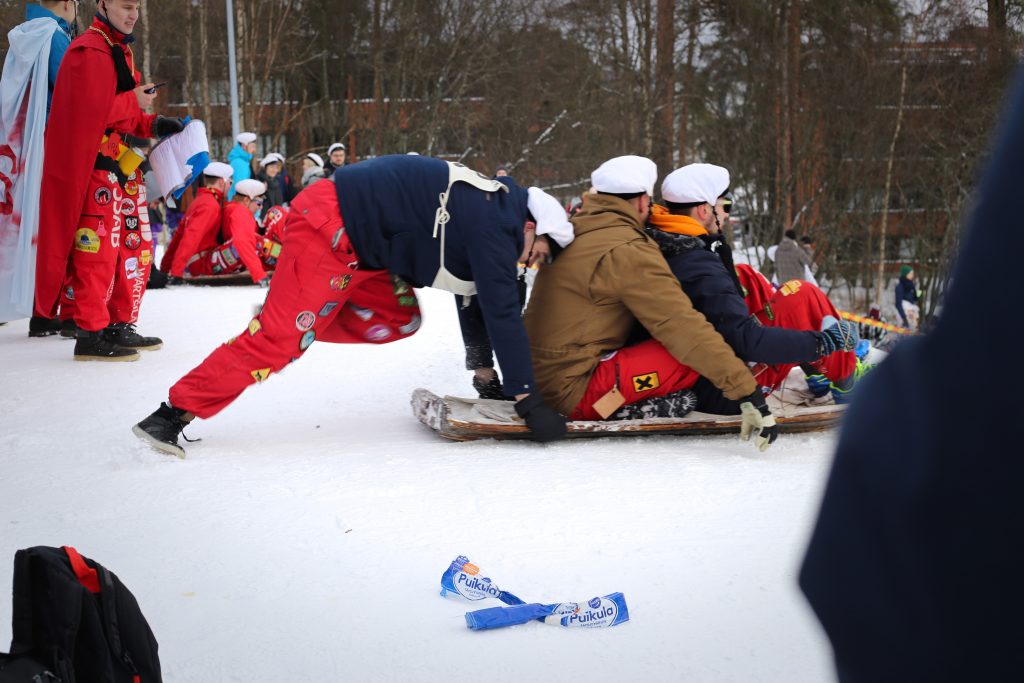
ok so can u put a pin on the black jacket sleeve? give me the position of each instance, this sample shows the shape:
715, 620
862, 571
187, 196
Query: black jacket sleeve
707, 283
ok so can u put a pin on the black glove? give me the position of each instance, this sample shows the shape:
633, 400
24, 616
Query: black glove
758, 420
167, 125
842, 336
545, 423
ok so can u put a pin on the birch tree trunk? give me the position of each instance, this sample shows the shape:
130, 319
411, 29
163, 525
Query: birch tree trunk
880, 281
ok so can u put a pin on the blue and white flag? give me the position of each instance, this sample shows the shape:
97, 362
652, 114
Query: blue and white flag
22, 124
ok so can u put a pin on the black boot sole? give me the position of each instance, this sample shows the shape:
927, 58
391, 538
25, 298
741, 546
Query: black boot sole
170, 449
108, 359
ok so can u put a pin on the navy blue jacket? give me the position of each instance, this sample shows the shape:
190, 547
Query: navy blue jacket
905, 291
914, 568
388, 206
714, 293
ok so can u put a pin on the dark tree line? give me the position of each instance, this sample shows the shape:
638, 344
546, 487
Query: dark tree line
860, 124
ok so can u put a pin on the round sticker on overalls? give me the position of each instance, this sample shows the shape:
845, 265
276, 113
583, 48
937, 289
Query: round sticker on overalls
131, 188
132, 240
305, 321
127, 206
306, 340
102, 196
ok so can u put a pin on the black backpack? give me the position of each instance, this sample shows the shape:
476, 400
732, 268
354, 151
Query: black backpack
75, 622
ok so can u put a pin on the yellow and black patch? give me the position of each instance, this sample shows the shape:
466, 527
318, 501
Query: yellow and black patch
647, 382
260, 375
254, 326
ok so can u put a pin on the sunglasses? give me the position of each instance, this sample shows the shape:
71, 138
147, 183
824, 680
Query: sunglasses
727, 206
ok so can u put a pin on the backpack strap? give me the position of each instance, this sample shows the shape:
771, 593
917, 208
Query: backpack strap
86, 575
22, 641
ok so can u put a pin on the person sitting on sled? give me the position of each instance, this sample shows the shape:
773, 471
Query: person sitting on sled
235, 248
197, 233
796, 324
354, 246
586, 303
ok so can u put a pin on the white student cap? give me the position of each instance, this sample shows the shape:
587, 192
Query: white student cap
694, 183
316, 159
625, 175
336, 146
272, 158
246, 138
218, 169
251, 188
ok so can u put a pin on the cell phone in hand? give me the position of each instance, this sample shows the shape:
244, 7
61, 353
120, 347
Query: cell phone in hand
150, 91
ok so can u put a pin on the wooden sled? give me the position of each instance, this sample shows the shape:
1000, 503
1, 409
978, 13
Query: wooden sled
463, 419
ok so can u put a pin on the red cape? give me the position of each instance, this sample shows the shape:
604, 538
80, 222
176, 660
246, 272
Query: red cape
83, 102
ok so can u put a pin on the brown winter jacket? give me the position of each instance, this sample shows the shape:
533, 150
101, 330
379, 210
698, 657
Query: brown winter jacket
586, 303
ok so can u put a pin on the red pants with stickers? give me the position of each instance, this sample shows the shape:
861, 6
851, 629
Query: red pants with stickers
130, 249
647, 369
318, 293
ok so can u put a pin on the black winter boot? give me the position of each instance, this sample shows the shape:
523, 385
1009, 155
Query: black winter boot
490, 389
39, 326
161, 429
69, 329
676, 404
124, 334
95, 346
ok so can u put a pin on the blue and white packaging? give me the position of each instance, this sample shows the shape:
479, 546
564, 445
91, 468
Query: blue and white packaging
464, 580
599, 612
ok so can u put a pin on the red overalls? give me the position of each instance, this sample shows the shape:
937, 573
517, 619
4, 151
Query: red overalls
318, 293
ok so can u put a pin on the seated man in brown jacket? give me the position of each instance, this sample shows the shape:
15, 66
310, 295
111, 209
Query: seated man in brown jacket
586, 303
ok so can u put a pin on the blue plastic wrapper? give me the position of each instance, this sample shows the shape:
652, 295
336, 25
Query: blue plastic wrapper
463, 579
603, 612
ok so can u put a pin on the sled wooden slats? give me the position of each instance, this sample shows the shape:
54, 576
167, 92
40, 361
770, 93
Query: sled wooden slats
438, 414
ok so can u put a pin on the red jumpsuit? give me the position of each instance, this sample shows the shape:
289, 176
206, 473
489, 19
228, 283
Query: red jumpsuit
197, 233
82, 213
796, 305
237, 252
318, 293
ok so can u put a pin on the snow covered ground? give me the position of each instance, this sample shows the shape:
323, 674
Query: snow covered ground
305, 535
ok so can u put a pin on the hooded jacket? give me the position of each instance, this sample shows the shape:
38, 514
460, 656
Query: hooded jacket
714, 293
586, 303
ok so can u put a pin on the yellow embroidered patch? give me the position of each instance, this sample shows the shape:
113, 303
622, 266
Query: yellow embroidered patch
87, 241
254, 327
791, 287
260, 375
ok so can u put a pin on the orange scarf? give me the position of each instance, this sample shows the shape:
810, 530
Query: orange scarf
679, 225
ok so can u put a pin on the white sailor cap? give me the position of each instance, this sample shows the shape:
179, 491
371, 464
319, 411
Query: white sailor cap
316, 159
272, 158
246, 138
218, 169
693, 183
336, 146
625, 175
251, 188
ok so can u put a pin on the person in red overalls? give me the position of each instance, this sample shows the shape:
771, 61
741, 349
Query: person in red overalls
198, 230
97, 99
237, 250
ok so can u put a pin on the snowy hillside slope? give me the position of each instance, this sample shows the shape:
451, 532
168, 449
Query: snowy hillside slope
303, 538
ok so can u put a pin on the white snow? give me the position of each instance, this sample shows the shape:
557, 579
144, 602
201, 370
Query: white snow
304, 537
